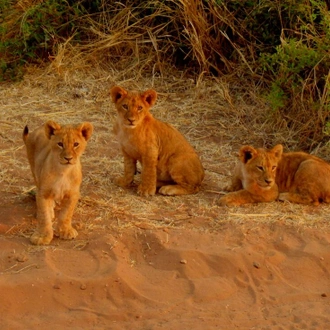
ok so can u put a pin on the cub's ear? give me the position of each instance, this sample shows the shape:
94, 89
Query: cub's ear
86, 129
117, 93
277, 150
149, 96
50, 128
246, 153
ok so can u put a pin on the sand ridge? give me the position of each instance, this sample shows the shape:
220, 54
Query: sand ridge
174, 279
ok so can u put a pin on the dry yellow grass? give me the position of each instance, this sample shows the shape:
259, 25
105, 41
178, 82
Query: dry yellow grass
216, 115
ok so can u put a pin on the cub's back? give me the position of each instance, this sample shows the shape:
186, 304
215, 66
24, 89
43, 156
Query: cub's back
171, 139
309, 167
37, 145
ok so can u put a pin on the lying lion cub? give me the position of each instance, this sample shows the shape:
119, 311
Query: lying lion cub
303, 178
254, 177
54, 155
166, 157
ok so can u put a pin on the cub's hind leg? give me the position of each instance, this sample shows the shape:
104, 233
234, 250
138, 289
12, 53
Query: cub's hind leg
295, 197
176, 189
185, 181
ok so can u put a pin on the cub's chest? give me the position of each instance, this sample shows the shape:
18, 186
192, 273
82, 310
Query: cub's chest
134, 142
65, 184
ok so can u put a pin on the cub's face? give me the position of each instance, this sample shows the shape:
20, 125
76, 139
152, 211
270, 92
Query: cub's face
68, 142
260, 165
132, 107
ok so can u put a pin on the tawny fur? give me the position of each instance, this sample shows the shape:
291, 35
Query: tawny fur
303, 178
167, 159
54, 154
254, 177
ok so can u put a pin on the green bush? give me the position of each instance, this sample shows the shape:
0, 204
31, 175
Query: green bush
282, 43
298, 70
30, 32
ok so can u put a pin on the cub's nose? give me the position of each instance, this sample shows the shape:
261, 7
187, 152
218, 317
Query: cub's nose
68, 158
268, 181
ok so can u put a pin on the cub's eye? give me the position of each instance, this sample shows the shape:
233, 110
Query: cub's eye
260, 168
76, 144
274, 168
60, 144
139, 107
125, 106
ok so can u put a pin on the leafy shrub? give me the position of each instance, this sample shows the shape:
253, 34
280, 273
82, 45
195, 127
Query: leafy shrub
282, 43
299, 73
31, 30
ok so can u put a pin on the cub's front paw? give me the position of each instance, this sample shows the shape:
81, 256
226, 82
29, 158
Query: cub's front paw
223, 201
66, 232
122, 182
41, 238
229, 200
145, 190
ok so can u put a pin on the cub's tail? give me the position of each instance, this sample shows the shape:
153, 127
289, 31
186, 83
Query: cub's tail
25, 133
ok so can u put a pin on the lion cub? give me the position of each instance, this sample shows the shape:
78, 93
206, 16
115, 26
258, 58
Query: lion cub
54, 154
303, 178
254, 177
168, 160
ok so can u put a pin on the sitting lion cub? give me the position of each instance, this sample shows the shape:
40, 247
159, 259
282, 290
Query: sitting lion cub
166, 157
303, 178
254, 177
54, 155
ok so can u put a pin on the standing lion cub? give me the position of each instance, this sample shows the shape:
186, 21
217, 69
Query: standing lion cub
54, 155
167, 159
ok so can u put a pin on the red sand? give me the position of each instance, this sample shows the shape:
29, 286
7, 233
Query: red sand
241, 277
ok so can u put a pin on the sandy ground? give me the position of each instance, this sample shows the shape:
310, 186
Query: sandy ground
152, 263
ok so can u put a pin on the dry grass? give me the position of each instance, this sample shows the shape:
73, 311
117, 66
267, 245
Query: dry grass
216, 115
136, 39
